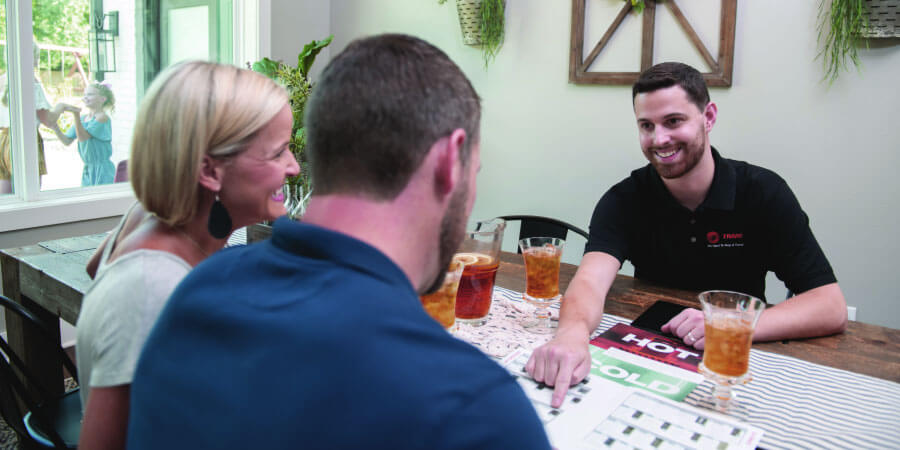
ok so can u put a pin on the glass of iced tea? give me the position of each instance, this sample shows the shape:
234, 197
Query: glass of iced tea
441, 304
542, 256
729, 321
480, 255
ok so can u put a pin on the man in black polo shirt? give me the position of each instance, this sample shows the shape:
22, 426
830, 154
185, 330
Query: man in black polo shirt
694, 220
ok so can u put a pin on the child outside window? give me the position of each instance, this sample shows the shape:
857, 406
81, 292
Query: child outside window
94, 134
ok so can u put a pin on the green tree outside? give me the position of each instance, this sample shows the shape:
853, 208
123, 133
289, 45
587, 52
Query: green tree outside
57, 22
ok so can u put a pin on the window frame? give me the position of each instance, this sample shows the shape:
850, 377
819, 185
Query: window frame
28, 206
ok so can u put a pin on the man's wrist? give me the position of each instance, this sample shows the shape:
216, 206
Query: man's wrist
574, 329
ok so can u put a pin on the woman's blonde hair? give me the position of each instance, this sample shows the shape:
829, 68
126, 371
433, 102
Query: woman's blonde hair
194, 109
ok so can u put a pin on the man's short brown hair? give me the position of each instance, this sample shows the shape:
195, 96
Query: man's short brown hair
670, 74
376, 111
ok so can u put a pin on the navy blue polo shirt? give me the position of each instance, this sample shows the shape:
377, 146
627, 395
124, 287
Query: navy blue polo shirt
314, 339
750, 223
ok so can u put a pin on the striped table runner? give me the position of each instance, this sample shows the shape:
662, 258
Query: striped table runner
238, 237
797, 403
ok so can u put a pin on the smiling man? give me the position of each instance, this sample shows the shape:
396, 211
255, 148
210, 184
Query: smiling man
692, 219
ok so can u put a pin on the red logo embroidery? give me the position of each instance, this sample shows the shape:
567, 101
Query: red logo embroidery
712, 237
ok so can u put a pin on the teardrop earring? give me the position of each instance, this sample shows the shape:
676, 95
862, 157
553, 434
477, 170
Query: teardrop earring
219, 223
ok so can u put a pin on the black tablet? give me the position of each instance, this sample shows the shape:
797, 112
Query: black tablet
657, 315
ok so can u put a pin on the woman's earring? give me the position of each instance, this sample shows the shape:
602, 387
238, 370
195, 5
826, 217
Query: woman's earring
219, 223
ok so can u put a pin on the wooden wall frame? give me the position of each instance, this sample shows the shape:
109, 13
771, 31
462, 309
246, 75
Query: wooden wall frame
721, 67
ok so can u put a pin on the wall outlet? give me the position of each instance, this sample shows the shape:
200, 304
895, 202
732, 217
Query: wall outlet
851, 313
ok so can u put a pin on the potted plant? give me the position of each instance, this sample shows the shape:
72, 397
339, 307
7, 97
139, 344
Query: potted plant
296, 81
841, 23
482, 23
297, 189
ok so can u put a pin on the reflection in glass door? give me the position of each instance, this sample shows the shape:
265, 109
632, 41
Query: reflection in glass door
195, 29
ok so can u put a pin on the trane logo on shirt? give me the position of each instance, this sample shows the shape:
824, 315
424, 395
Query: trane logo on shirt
715, 239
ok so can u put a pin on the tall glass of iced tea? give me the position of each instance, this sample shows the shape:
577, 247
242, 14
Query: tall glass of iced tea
542, 256
480, 254
441, 304
730, 319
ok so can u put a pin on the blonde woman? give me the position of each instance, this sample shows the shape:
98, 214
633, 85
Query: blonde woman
209, 155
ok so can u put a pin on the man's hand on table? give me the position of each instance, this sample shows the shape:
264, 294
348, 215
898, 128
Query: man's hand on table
688, 326
562, 362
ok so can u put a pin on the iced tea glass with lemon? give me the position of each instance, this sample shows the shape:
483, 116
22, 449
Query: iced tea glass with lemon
480, 255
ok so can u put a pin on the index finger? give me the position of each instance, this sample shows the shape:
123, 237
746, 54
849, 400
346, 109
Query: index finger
563, 379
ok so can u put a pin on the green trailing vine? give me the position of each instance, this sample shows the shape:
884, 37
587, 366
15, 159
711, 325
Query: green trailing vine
839, 26
492, 25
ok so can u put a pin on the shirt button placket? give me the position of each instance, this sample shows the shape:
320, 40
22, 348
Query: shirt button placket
693, 221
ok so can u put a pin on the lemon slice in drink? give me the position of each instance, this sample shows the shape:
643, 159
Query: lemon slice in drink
465, 258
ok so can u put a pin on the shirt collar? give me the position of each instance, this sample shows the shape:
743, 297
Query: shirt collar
312, 241
721, 192
724, 185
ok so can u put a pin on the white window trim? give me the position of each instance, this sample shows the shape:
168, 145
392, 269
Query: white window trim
30, 207
251, 17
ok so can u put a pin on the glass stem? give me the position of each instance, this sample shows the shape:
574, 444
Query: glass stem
542, 315
722, 396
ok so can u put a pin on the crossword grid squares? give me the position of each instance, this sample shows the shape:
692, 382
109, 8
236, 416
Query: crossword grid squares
643, 422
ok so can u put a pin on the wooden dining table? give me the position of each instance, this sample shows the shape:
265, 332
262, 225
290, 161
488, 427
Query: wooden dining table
50, 278
863, 348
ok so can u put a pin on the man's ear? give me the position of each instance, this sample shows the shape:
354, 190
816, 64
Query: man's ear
709, 116
211, 173
448, 167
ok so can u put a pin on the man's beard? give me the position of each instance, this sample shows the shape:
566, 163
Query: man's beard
693, 152
453, 227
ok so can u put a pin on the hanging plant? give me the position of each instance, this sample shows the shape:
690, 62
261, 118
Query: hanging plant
841, 23
492, 25
637, 5
482, 23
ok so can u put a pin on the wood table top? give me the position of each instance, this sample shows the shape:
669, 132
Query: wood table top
868, 349
53, 275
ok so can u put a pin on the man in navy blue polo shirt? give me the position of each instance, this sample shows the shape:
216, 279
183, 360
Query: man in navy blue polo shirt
694, 220
316, 338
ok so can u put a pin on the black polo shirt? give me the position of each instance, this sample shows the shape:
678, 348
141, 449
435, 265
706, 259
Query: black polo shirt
749, 223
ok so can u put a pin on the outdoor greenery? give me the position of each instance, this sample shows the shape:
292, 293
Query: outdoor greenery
296, 81
57, 22
840, 25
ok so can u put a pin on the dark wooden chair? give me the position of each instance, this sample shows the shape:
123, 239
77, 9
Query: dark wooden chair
536, 226
45, 420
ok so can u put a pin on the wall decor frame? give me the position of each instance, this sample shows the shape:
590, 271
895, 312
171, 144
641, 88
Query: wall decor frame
721, 67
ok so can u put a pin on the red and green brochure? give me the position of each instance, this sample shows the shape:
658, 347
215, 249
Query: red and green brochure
650, 345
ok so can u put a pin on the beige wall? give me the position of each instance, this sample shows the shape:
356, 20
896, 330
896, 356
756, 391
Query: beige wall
838, 147
552, 148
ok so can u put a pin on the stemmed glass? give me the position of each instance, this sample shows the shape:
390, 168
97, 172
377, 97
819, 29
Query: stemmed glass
730, 319
542, 256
